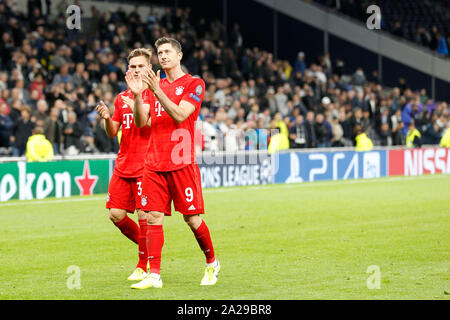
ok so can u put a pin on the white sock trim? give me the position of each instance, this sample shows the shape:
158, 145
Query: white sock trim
212, 264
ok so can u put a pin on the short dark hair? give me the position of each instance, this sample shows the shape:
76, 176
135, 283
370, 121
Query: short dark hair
174, 42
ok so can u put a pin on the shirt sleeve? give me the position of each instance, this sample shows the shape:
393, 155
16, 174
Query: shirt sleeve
195, 93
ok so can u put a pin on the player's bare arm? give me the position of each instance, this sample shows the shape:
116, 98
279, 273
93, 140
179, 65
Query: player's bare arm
111, 126
178, 113
130, 103
141, 111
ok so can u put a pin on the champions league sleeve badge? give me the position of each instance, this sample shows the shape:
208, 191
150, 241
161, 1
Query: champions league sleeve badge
198, 90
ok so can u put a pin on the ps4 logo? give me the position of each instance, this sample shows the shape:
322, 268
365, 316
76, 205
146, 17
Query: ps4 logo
331, 166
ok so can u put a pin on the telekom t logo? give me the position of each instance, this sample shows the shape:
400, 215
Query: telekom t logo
158, 108
127, 120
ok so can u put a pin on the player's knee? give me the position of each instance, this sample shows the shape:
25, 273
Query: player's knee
154, 217
193, 221
116, 216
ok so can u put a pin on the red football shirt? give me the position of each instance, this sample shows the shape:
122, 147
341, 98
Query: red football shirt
171, 145
134, 141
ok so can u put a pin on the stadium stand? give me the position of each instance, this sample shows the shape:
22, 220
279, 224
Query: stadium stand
60, 75
426, 23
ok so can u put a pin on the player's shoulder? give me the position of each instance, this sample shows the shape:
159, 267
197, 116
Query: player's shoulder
126, 93
196, 85
194, 79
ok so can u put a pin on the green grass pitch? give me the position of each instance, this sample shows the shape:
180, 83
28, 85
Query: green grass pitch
298, 241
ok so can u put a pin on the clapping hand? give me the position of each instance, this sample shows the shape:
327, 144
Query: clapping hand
151, 79
103, 110
135, 84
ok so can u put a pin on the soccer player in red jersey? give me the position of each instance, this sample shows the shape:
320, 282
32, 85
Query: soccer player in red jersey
171, 172
125, 186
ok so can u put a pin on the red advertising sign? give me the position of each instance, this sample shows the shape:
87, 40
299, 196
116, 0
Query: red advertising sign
413, 162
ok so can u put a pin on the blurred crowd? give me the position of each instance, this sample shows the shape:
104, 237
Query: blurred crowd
51, 79
425, 22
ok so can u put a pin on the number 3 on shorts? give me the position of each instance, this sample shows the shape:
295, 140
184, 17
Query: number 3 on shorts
189, 194
139, 185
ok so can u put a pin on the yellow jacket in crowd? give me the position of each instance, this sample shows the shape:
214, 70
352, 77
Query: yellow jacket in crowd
283, 128
445, 141
278, 142
410, 136
363, 142
39, 148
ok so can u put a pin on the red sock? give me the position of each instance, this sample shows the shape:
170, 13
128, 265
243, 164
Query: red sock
204, 240
155, 236
129, 228
143, 255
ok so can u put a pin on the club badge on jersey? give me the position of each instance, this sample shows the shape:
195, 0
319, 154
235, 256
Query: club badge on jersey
179, 90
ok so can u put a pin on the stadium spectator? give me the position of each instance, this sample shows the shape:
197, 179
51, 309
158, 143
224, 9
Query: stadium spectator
300, 65
362, 141
278, 141
38, 147
280, 101
40, 114
72, 133
323, 131
22, 131
210, 133
311, 140
53, 130
6, 126
385, 135
445, 141
442, 48
337, 132
432, 134
413, 136
297, 133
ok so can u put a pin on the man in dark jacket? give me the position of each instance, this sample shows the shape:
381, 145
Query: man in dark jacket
323, 132
72, 132
23, 129
297, 133
53, 129
310, 132
6, 126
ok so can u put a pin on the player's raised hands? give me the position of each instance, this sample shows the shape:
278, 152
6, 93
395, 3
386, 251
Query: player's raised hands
134, 83
103, 110
151, 79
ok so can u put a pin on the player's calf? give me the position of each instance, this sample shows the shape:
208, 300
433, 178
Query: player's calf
127, 226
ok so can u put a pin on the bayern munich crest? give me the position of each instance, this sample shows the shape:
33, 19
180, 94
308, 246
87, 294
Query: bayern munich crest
179, 90
144, 201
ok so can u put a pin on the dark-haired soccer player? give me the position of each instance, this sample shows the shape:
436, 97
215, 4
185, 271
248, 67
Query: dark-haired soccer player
125, 186
171, 172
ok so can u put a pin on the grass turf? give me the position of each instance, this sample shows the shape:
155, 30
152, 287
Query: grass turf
299, 241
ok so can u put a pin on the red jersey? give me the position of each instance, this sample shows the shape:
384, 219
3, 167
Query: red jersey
171, 145
134, 141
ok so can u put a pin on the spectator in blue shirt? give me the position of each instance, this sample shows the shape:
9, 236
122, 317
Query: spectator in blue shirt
300, 65
442, 46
